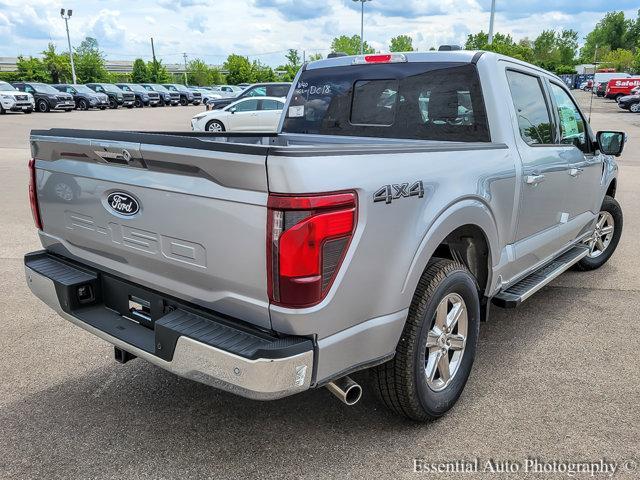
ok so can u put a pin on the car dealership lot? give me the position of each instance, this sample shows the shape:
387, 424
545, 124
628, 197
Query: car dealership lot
556, 379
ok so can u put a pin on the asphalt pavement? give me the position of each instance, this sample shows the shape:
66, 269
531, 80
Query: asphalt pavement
556, 379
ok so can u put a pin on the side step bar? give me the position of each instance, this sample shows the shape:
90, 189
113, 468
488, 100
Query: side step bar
518, 293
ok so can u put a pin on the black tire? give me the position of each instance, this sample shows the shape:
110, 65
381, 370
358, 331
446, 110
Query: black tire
401, 383
43, 106
183, 101
212, 123
82, 104
138, 103
2, 110
634, 108
113, 104
592, 261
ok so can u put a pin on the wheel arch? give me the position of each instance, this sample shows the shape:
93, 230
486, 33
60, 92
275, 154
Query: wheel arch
611, 189
465, 231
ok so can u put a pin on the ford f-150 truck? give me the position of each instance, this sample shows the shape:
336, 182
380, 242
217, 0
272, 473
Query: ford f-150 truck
403, 195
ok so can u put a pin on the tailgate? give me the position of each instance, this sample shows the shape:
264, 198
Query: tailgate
178, 214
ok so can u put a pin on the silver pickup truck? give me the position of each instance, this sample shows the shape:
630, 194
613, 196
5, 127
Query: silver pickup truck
403, 196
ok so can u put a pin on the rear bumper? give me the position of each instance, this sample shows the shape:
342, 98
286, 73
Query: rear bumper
197, 345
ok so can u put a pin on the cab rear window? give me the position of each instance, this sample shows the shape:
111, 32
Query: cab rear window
422, 101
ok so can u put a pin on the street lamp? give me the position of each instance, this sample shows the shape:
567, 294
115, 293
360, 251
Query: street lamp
362, 25
493, 14
66, 22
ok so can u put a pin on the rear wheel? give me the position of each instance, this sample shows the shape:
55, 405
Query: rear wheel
214, 126
438, 344
606, 236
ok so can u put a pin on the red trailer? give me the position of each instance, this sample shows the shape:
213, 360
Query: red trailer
619, 87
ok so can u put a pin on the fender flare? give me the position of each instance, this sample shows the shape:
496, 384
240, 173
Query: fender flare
468, 211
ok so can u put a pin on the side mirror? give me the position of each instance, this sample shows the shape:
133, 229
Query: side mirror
233, 110
611, 143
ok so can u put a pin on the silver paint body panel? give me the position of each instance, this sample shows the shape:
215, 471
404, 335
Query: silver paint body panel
200, 235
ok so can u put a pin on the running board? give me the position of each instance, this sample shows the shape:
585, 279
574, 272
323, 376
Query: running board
518, 293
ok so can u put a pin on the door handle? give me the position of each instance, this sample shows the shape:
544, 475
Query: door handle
534, 179
574, 172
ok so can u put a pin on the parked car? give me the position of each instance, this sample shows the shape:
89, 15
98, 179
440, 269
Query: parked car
143, 97
84, 97
366, 234
630, 102
600, 89
619, 87
46, 97
186, 96
205, 95
166, 97
245, 115
13, 100
227, 90
280, 89
117, 97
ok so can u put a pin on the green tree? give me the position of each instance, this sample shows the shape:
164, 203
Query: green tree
620, 59
567, 42
239, 68
315, 56
158, 73
349, 45
31, 69
89, 62
502, 44
401, 43
610, 33
545, 50
140, 72
57, 65
199, 73
261, 73
290, 69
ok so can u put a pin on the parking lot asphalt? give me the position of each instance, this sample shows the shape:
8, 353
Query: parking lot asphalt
556, 379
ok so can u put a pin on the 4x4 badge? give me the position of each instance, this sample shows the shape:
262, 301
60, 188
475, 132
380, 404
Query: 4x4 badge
388, 193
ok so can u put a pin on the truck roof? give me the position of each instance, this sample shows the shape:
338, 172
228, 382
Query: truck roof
463, 56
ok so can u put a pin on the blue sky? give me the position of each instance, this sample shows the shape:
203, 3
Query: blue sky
264, 29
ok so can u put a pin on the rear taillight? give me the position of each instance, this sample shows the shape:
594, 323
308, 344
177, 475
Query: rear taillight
33, 197
307, 239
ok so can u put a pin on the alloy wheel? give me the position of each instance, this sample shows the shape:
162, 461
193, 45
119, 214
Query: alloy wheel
446, 341
602, 235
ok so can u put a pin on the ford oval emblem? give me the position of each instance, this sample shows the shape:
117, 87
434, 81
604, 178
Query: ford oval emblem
123, 203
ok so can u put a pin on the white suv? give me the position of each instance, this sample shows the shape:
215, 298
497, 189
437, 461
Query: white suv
14, 100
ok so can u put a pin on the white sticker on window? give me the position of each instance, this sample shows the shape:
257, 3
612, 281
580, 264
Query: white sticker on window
297, 111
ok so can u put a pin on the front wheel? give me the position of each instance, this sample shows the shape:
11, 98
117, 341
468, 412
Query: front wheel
43, 106
83, 105
635, 108
183, 101
138, 103
606, 236
438, 345
214, 126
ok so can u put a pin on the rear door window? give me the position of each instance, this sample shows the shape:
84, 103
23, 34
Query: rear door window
528, 98
415, 100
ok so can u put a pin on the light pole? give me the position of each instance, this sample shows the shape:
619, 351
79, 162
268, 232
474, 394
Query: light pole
493, 14
362, 2
66, 22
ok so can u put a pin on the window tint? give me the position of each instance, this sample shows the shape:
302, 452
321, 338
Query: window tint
257, 92
572, 126
247, 106
422, 101
29, 89
374, 102
277, 90
531, 108
271, 105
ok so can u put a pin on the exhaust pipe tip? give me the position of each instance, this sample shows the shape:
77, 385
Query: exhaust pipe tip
347, 391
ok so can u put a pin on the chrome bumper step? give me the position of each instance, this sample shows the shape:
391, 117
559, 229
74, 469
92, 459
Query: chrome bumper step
518, 293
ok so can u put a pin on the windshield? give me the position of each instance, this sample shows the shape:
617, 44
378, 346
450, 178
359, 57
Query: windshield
111, 88
421, 101
6, 87
82, 89
159, 88
137, 88
43, 88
